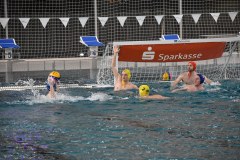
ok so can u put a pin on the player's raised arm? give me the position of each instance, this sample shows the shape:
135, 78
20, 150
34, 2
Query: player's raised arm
114, 69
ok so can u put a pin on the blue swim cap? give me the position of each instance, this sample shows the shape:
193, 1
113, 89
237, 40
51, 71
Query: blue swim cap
202, 78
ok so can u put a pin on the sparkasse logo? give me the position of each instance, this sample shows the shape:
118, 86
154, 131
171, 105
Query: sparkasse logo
150, 55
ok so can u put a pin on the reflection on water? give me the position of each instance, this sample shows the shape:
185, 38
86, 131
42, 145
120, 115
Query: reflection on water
101, 124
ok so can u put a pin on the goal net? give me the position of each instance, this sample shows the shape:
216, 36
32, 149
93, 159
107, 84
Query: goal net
217, 58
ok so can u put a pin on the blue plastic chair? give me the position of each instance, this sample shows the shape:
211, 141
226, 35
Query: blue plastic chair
8, 43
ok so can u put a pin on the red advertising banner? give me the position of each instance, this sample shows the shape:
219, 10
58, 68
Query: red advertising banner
171, 52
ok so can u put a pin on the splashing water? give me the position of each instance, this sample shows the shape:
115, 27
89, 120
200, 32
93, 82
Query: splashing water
99, 96
36, 97
60, 98
29, 84
215, 83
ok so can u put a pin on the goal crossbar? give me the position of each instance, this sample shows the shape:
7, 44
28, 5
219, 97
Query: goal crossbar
224, 39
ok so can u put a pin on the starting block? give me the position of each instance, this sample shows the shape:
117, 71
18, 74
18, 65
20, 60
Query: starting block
173, 37
93, 43
8, 45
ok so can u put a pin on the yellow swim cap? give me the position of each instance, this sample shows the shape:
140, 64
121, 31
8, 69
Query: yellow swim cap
166, 76
128, 72
144, 90
55, 74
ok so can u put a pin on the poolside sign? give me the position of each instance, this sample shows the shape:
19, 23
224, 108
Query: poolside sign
171, 52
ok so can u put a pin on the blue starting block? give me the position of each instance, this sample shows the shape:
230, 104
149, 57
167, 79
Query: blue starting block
8, 45
90, 41
173, 37
93, 43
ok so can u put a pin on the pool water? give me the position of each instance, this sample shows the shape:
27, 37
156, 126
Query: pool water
98, 123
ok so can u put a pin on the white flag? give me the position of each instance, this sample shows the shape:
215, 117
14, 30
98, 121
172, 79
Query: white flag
159, 19
215, 16
103, 20
232, 15
122, 20
83, 20
24, 21
44, 21
64, 21
4, 22
196, 17
178, 17
140, 19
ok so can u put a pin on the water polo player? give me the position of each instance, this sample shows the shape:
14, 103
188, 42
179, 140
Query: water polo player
122, 81
197, 86
188, 77
53, 83
144, 92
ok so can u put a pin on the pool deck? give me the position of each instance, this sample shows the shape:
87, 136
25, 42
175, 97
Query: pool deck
38, 66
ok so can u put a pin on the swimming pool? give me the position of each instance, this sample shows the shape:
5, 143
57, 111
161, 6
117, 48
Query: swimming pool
97, 123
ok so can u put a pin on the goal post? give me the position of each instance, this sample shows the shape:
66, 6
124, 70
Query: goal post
217, 58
